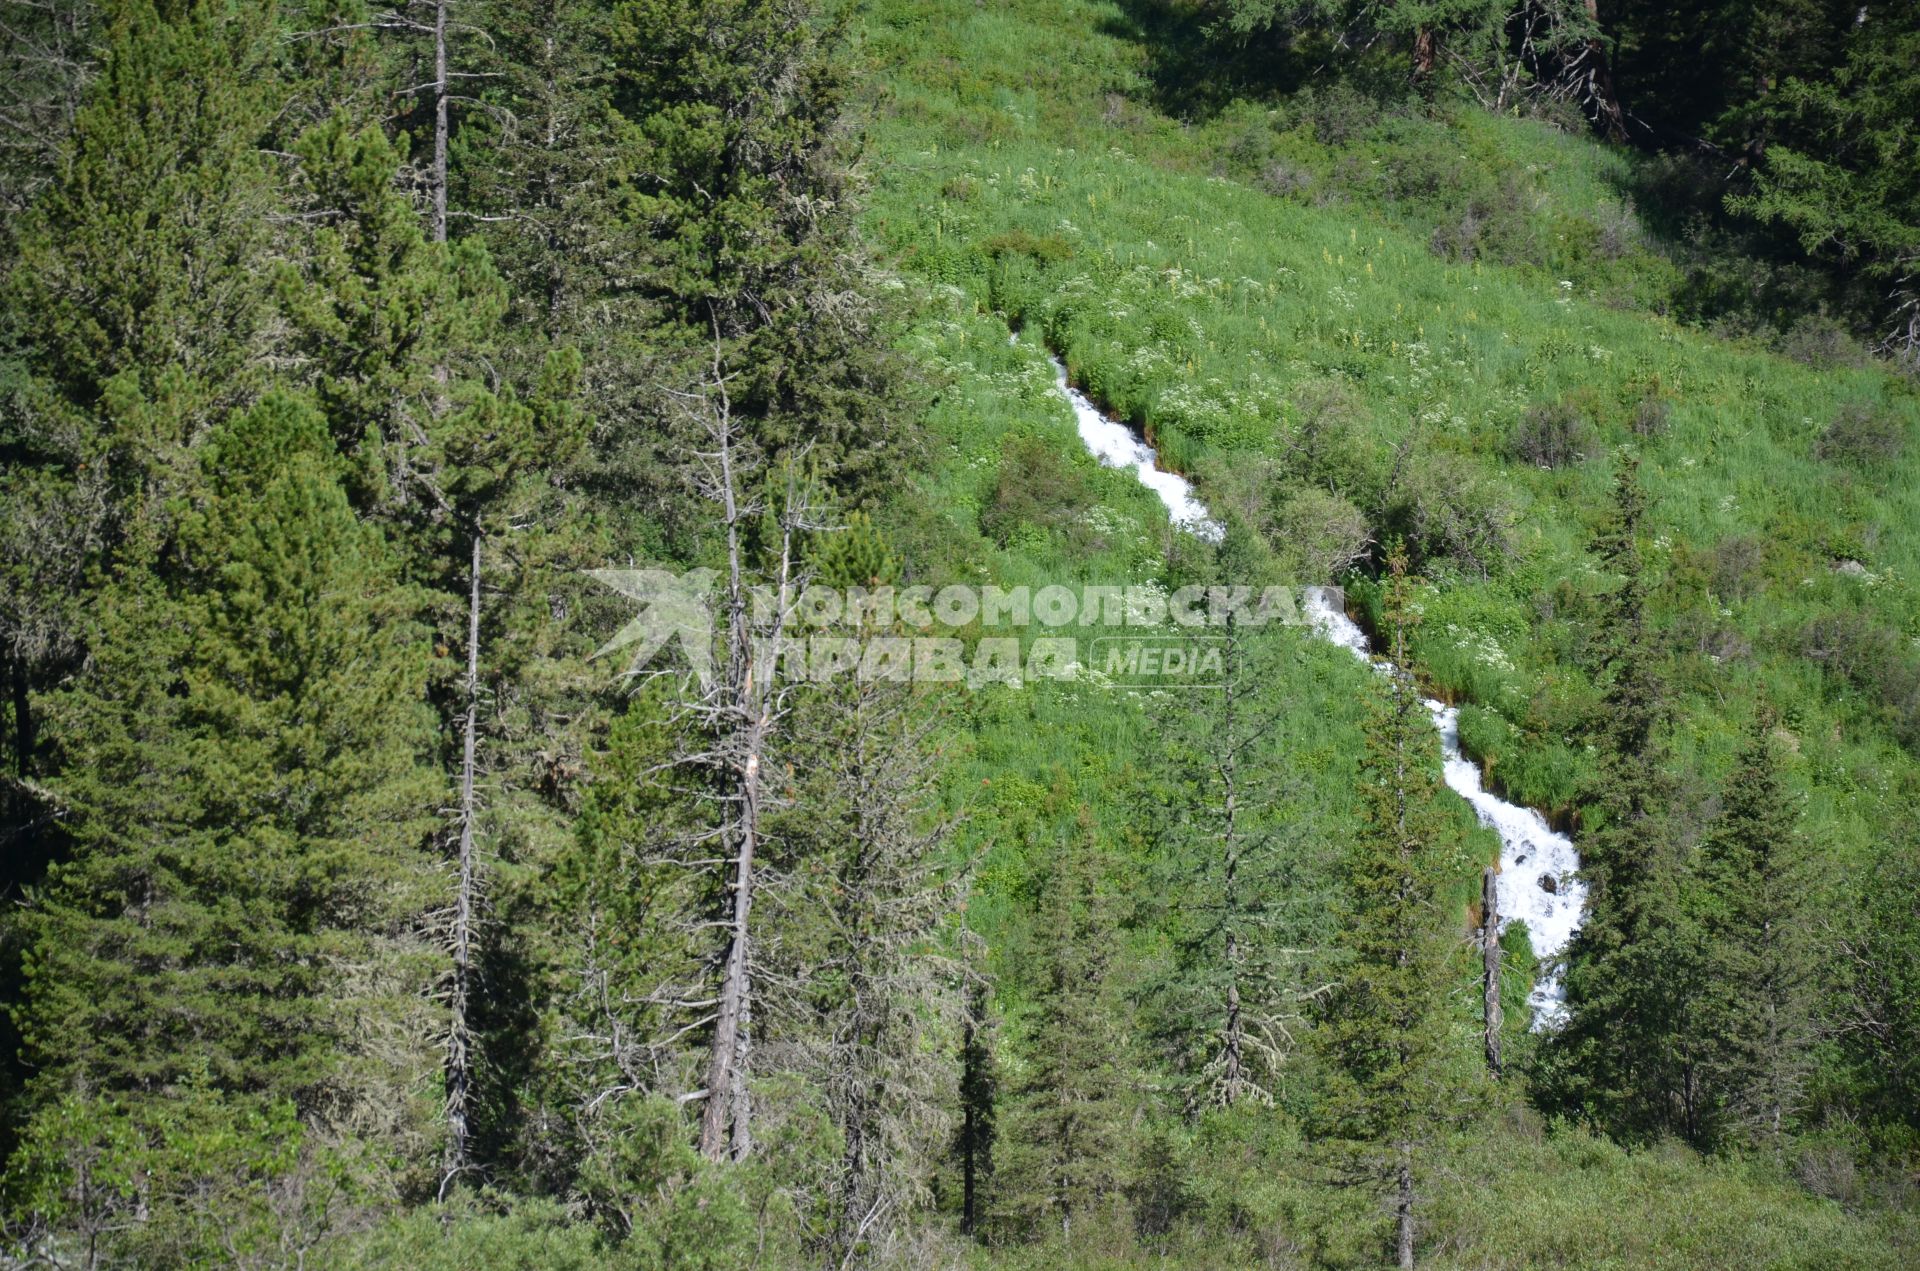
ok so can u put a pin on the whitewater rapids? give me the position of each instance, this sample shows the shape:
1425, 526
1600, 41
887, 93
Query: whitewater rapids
1538, 882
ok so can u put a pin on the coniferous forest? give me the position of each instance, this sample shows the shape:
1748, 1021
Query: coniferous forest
470, 797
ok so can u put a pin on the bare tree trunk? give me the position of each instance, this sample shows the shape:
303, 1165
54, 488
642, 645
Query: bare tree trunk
23, 731
1596, 83
969, 1134
1233, 1073
1425, 54
459, 1031
723, 1098
1490, 952
1403, 1209
440, 121
744, 714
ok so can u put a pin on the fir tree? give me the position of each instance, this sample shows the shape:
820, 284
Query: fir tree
1757, 1016
977, 1130
1061, 1140
735, 193
1629, 1052
1238, 847
860, 932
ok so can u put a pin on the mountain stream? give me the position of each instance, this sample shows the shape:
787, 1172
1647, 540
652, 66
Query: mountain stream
1538, 883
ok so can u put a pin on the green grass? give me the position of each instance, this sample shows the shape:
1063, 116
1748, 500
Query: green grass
1023, 179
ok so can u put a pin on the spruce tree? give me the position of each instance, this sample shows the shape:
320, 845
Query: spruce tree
1238, 849
1385, 1032
977, 1127
1629, 1053
1876, 1014
1061, 1144
862, 929
1757, 1016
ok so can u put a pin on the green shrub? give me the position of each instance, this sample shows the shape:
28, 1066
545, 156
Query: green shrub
1553, 434
1047, 249
1861, 435
1037, 487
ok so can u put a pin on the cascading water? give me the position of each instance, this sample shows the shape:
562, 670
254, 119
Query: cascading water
1538, 883
1114, 444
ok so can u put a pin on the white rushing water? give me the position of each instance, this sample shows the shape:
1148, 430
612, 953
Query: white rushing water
1114, 444
1538, 883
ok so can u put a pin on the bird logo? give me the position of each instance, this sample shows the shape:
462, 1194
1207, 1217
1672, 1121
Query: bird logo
673, 607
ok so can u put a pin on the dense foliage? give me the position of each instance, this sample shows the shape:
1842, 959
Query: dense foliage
357, 362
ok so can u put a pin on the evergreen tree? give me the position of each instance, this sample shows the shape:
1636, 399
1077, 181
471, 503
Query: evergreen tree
242, 773
1385, 1032
979, 1090
1630, 1050
1757, 1013
1877, 1014
618, 1033
1246, 905
861, 931
1840, 166
131, 315
395, 328
735, 195
1061, 1142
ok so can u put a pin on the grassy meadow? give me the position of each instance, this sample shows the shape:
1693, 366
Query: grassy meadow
1461, 328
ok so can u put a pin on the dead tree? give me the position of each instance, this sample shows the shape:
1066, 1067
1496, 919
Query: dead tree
1490, 977
740, 713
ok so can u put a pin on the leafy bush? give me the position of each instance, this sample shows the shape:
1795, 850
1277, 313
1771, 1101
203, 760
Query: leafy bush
1734, 566
1037, 487
1873, 659
1047, 249
1323, 532
1861, 435
1446, 508
1822, 342
1553, 435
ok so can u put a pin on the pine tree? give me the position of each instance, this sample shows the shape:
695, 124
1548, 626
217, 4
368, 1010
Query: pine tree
395, 328
132, 312
1757, 1014
1385, 1031
736, 196
242, 770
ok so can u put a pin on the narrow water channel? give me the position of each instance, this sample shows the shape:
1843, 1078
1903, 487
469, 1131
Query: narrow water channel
1538, 882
